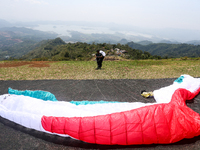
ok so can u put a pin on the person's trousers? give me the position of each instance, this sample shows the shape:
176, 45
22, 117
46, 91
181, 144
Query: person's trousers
99, 62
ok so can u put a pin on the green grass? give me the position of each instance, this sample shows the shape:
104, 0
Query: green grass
137, 69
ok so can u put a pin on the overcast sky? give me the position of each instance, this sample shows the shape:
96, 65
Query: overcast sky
183, 14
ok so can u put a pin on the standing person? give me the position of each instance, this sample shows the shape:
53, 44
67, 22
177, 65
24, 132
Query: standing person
99, 58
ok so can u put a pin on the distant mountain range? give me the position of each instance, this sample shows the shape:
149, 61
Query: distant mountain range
17, 41
4, 23
109, 32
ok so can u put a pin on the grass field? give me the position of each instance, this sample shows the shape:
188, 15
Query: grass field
136, 69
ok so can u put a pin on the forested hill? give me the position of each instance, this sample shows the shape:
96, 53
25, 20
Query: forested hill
169, 50
57, 50
46, 49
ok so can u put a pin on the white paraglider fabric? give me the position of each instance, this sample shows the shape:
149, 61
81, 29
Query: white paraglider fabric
28, 111
164, 95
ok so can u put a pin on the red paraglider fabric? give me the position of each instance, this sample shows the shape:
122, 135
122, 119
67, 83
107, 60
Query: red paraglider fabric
159, 123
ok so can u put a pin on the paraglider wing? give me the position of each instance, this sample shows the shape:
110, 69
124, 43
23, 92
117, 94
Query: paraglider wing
166, 121
160, 123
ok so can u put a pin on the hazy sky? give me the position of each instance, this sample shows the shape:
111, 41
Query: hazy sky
182, 14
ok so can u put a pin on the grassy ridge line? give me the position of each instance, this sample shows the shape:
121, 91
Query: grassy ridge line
82, 70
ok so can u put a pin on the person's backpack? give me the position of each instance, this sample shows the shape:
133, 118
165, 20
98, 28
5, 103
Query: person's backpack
103, 53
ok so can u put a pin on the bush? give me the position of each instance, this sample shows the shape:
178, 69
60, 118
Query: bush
184, 58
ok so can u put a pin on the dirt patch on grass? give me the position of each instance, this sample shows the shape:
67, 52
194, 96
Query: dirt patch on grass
22, 63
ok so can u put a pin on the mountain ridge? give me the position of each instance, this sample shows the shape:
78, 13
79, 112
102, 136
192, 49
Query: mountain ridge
169, 50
